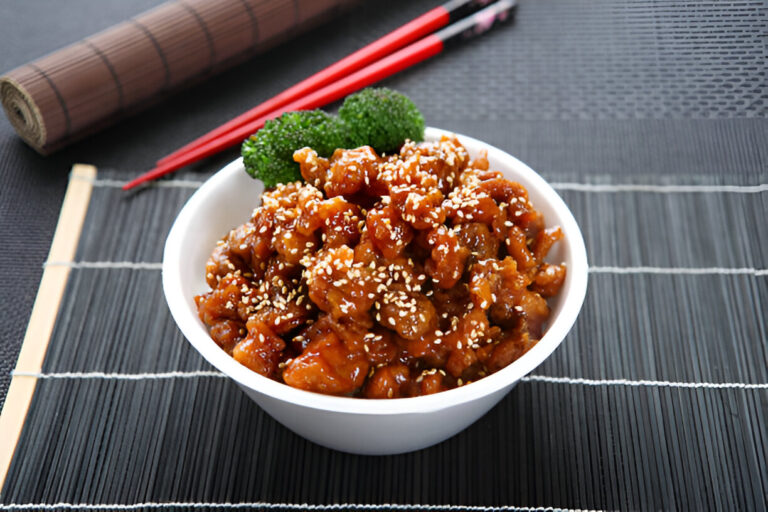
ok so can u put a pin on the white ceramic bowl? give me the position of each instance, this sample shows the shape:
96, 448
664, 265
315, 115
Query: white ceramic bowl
359, 425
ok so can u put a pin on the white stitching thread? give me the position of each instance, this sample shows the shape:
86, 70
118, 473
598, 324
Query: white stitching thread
578, 187
661, 189
273, 506
643, 383
134, 265
679, 270
529, 378
120, 376
593, 270
107, 183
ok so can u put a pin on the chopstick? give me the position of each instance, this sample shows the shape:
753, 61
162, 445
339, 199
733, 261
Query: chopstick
414, 53
415, 29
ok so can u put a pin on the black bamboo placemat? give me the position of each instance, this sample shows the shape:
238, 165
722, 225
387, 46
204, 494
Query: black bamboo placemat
657, 399
649, 117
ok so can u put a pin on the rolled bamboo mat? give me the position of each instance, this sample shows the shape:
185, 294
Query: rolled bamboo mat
83, 87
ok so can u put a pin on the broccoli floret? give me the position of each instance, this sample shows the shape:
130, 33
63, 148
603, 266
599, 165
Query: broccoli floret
268, 154
381, 118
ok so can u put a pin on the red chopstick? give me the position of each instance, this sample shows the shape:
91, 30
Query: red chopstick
423, 49
411, 31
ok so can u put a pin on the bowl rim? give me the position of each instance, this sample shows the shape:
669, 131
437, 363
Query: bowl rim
193, 329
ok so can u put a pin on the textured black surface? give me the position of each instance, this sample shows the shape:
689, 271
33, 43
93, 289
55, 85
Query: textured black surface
649, 92
558, 444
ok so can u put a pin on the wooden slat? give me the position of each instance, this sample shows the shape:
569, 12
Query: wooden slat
44, 311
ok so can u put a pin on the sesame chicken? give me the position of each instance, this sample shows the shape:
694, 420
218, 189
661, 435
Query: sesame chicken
447, 259
350, 171
260, 350
384, 276
388, 231
327, 366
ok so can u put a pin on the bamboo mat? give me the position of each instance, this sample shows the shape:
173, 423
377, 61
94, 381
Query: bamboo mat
658, 398
85, 86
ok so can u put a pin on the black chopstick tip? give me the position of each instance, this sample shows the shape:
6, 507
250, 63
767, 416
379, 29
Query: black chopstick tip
478, 23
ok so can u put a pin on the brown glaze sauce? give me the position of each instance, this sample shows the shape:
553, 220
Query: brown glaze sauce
384, 276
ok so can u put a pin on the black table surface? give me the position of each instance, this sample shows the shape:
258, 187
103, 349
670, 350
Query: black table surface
653, 92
